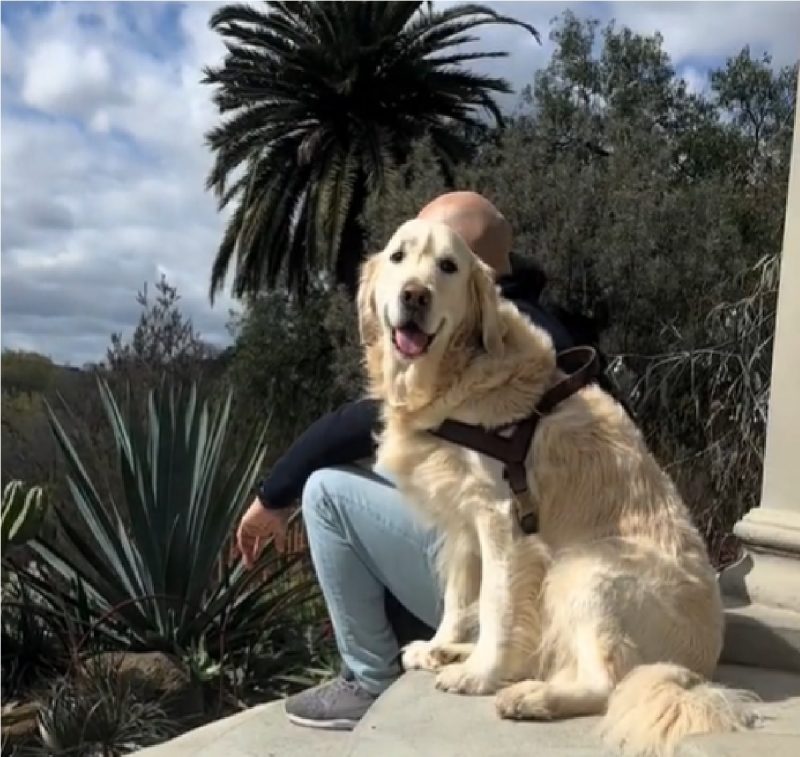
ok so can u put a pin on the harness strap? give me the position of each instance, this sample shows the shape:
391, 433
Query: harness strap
580, 365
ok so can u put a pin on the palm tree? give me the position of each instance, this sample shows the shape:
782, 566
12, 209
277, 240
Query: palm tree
320, 101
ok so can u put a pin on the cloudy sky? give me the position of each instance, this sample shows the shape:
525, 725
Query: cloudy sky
103, 161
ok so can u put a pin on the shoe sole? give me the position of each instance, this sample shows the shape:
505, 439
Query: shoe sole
337, 724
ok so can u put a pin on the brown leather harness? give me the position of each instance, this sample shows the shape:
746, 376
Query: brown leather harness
580, 366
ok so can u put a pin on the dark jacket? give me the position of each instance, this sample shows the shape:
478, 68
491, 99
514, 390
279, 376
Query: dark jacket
347, 435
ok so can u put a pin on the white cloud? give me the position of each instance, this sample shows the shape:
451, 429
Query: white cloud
697, 82
63, 80
100, 121
104, 161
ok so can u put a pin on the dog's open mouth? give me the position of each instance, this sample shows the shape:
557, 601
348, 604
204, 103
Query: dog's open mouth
411, 341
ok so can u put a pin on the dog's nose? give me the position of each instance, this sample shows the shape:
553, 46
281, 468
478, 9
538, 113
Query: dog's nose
415, 297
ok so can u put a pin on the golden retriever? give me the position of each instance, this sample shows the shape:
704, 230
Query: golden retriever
613, 606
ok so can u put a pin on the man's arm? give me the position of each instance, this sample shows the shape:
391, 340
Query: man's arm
340, 437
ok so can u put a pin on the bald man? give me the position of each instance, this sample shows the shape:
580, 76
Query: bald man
477, 221
365, 541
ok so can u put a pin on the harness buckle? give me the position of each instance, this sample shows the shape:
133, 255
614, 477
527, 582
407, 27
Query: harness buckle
525, 507
524, 504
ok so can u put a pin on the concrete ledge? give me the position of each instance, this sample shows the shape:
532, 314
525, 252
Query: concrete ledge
262, 731
759, 635
761, 591
779, 733
771, 528
412, 719
741, 745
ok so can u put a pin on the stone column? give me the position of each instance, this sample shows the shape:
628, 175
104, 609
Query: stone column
762, 591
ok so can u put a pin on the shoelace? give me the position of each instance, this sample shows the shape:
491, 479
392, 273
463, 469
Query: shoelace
342, 684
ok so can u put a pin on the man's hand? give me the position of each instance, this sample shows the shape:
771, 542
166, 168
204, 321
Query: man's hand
257, 525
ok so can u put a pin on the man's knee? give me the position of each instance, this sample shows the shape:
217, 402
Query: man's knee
314, 494
323, 492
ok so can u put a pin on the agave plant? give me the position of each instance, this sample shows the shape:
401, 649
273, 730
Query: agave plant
151, 572
22, 514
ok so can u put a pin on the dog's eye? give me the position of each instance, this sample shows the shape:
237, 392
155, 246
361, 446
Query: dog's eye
447, 265
397, 256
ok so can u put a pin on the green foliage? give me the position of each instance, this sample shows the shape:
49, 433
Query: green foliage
27, 372
29, 451
293, 360
321, 101
164, 342
35, 643
760, 102
406, 191
22, 514
150, 572
342, 328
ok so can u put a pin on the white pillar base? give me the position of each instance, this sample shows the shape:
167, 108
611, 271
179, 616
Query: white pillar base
762, 592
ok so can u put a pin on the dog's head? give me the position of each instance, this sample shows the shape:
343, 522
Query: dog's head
422, 295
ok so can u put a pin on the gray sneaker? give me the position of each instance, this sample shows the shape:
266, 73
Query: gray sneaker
338, 705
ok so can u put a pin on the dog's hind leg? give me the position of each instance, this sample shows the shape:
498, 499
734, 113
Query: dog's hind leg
584, 650
582, 688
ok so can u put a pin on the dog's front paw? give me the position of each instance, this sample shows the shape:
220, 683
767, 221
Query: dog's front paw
463, 678
421, 655
428, 655
526, 700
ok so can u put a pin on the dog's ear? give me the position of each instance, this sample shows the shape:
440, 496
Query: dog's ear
486, 300
368, 325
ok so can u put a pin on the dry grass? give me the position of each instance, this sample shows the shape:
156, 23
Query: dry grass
704, 409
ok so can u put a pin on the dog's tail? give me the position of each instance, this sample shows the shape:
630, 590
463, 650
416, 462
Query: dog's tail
655, 706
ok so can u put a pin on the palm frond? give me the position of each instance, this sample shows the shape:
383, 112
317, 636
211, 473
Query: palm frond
336, 187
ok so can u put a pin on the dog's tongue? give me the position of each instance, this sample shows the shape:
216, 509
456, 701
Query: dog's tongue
411, 342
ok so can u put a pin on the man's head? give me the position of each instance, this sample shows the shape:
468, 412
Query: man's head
479, 223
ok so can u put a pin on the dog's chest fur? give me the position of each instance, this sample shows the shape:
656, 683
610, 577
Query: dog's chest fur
446, 483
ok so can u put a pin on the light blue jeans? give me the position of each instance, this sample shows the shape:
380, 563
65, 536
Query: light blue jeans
365, 538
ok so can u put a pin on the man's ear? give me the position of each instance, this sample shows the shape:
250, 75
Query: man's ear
487, 302
368, 324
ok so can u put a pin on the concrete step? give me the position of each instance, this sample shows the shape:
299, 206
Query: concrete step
261, 731
412, 719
